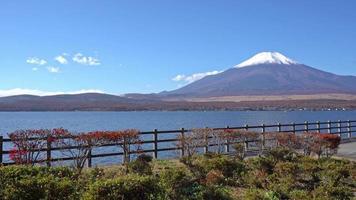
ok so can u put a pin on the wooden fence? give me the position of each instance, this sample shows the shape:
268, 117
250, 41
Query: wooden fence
343, 128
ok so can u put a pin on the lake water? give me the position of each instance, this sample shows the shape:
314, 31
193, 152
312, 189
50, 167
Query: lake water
147, 121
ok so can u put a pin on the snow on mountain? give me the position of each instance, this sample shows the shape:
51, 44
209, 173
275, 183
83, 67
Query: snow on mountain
267, 58
268, 73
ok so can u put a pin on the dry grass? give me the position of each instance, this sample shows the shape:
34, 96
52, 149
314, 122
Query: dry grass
275, 98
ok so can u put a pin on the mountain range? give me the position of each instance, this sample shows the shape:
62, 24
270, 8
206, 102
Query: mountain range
268, 80
268, 73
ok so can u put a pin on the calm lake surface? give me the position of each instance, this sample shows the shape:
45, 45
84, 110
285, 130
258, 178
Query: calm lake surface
147, 121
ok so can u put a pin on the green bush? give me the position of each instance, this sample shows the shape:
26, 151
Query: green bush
281, 154
133, 187
331, 192
141, 165
227, 165
280, 174
40, 187
17, 172
254, 194
214, 193
178, 184
26, 182
299, 194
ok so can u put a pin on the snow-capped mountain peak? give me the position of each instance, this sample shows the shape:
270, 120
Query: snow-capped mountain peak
267, 58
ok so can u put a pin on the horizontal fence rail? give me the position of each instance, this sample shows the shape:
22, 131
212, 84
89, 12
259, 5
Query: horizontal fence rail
344, 129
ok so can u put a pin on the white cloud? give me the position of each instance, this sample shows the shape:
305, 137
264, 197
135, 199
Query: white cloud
194, 77
179, 77
61, 59
85, 60
36, 61
34, 68
53, 69
21, 91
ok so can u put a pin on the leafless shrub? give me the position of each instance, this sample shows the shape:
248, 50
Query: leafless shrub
190, 142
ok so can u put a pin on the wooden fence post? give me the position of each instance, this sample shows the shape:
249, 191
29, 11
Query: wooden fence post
349, 130
279, 127
206, 144
318, 126
329, 126
245, 142
306, 126
263, 136
227, 145
293, 128
89, 157
155, 144
1, 149
49, 151
339, 128
183, 143
126, 152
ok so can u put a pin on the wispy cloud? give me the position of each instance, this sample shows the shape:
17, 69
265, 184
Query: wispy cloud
53, 69
194, 77
34, 68
61, 59
21, 91
36, 61
85, 60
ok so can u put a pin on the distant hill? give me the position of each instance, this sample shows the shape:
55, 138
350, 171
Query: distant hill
267, 73
87, 101
105, 102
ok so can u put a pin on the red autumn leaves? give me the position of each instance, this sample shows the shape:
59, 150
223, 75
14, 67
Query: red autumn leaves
28, 144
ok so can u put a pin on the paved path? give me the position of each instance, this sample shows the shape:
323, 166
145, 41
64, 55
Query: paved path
347, 150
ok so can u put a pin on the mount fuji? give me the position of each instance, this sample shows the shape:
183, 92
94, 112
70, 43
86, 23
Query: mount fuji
268, 73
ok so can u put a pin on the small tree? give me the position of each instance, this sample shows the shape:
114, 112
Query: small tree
79, 146
126, 140
240, 139
218, 139
28, 144
190, 142
237, 139
320, 143
332, 143
288, 140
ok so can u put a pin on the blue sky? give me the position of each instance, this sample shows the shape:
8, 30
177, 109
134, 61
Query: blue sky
140, 46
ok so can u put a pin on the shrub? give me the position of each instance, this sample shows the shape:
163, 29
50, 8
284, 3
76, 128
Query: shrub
84, 143
214, 177
288, 140
263, 164
239, 152
227, 165
189, 143
29, 143
214, 192
177, 183
281, 154
329, 191
132, 187
254, 194
141, 165
23, 182
242, 136
320, 143
299, 194
12, 173
125, 140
